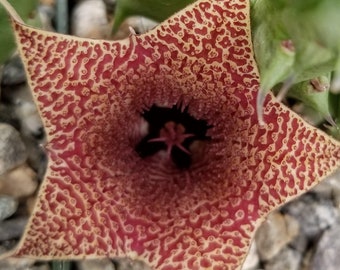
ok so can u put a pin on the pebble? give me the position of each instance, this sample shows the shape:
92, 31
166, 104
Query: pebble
300, 242
287, 259
110, 5
314, 212
8, 116
22, 264
252, 260
12, 228
327, 252
104, 264
128, 264
30, 122
89, 20
13, 72
274, 234
12, 149
37, 158
330, 188
18, 183
8, 206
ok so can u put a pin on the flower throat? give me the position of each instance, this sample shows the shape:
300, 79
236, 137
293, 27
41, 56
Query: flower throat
174, 131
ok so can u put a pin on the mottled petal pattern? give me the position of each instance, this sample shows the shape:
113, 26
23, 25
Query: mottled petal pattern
100, 199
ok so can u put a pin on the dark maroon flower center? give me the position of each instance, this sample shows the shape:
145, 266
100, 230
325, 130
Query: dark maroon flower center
174, 131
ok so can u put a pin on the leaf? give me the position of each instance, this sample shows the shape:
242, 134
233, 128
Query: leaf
7, 45
102, 198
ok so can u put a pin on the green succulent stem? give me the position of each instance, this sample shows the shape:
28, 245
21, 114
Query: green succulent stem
310, 29
61, 265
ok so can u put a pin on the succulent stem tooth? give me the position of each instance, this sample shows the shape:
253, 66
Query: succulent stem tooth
261, 96
331, 121
285, 88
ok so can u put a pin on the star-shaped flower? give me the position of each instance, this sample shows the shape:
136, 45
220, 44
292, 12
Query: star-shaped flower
103, 198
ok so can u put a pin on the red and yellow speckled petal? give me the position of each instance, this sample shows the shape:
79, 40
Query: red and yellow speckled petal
100, 199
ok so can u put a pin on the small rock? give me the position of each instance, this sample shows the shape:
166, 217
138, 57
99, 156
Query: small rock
19, 182
276, 232
46, 12
30, 204
8, 206
12, 149
252, 260
327, 251
128, 264
89, 20
331, 187
300, 242
6, 246
13, 72
12, 228
314, 213
104, 264
307, 258
287, 259
30, 122
17, 264
110, 5
37, 158
7, 115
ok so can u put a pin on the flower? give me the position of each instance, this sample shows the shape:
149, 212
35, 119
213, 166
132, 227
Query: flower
105, 195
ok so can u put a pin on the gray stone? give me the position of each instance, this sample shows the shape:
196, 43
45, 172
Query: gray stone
18, 264
7, 245
314, 213
300, 242
8, 116
327, 255
104, 264
274, 234
13, 72
89, 20
30, 122
12, 228
19, 183
24, 110
37, 158
307, 258
8, 206
331, 187
12, 149
252, 260
128, 264
110, 5
287, 259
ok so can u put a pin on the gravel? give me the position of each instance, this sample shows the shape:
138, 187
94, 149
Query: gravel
302, 235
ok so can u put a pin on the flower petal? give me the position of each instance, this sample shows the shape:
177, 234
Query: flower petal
100, 199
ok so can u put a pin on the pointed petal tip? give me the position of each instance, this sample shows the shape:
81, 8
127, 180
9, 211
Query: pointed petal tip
11, 11
331, 121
